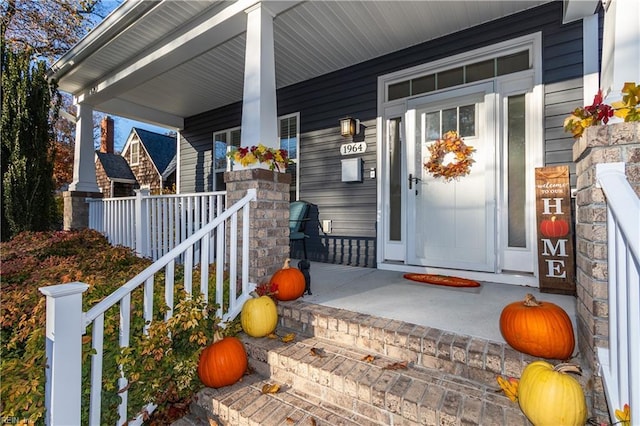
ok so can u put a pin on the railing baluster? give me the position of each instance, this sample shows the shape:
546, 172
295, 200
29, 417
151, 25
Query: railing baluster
245, 248
97, 343
169, 280
204, 267
233, 253
165, 226
148, 303
125, 323
188, 270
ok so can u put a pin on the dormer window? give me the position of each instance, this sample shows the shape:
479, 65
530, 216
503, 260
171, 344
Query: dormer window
134, 153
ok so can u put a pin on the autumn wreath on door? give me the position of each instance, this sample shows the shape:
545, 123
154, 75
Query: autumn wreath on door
450, 157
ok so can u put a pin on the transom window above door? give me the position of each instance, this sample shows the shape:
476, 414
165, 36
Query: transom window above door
482, 70
462, 119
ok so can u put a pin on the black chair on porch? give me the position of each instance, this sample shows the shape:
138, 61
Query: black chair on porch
298, 217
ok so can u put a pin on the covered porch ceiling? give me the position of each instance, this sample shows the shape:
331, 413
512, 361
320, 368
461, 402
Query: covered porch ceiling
161, 62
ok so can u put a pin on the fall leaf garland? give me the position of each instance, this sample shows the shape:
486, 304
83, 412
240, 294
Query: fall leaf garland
460, 166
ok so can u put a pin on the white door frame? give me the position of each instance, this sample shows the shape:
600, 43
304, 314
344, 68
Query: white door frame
535, 144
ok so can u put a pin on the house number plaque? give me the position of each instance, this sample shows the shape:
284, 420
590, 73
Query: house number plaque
556, 258
353, 148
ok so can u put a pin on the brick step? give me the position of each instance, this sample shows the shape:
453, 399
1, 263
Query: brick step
469, 357
346, 377
244, 403
450, 379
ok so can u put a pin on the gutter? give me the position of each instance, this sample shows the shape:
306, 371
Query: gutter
120, 18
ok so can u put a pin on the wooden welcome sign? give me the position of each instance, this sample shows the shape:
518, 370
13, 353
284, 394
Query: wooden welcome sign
556, 258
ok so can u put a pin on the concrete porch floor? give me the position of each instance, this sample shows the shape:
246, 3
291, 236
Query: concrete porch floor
467, 311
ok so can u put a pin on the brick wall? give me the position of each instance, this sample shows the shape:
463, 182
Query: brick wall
603, 144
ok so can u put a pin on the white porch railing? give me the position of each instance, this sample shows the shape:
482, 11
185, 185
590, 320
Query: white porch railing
66, 323
152, 225
620, 362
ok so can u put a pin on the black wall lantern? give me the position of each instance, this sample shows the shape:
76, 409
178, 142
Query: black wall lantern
349, 126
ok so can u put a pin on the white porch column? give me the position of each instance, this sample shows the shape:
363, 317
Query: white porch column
620, 47
84, 166
259, 109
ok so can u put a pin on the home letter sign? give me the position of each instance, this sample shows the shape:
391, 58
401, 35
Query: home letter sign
556, 261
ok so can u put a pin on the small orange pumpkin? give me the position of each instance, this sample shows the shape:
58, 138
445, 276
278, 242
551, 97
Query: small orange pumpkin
222, 363
538, 328
554, 227
290, 282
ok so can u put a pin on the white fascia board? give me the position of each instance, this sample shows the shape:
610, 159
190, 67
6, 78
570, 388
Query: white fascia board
192, 42
141, 113
578, 9
118, 19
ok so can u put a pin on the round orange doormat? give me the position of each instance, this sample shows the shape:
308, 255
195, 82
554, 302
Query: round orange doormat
442, 280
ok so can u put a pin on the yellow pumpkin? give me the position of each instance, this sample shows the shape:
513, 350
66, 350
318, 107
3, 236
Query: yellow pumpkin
259, 316
548, 396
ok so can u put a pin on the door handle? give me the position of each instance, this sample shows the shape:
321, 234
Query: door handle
413, 179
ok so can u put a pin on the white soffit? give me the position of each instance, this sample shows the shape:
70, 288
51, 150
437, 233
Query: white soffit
311, 39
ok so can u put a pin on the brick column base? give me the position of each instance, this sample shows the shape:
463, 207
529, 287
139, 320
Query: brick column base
602, 144
269, 230
76, 209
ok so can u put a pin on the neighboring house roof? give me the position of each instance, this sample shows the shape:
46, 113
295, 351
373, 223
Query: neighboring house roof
161, 148
170, 168
116, 167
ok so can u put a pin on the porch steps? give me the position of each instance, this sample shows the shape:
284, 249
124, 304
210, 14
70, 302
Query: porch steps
342, 369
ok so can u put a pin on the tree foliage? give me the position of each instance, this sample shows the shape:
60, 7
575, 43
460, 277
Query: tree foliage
27, 163
47, 28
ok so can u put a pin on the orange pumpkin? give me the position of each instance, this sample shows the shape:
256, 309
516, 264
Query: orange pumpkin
538, 328
222, 363
554, 227
290, 282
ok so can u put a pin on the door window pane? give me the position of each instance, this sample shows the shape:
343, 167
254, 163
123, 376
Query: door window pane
395, 180
432, 125
516, 168
480, 71
467, 116
513, 63
449, 120
399, 90
450, 78
423, 84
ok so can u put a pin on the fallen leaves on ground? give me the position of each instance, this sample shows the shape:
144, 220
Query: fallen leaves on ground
318, 352
288, 337
369, 358
270, 388
401, 365
509, 386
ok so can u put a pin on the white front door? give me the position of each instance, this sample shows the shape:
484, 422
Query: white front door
452, 224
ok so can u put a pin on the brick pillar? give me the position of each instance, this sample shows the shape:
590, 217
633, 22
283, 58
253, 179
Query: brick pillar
603, 144
269, 232
76, 209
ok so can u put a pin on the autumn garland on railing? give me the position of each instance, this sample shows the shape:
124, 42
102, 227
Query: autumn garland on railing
450, 157
275, 158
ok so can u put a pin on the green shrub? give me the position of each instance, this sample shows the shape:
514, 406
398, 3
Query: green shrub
161, 365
